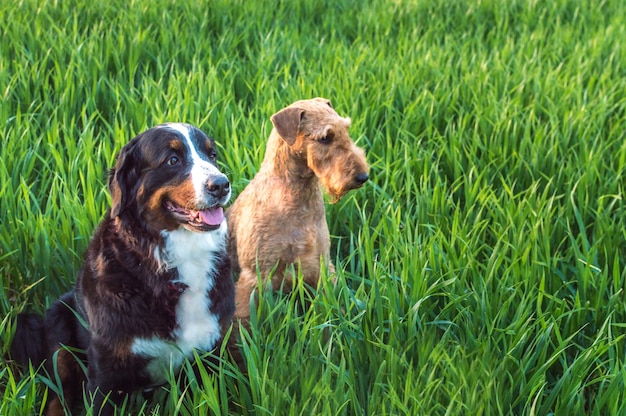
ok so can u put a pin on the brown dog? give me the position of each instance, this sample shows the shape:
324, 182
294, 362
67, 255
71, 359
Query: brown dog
279, 218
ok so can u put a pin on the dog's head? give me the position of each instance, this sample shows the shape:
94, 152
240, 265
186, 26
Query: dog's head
313, 129
167, 177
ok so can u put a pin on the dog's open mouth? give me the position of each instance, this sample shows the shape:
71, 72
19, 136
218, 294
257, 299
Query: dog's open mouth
198, 220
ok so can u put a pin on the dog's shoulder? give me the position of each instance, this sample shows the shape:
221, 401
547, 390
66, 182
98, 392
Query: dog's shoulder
123, 288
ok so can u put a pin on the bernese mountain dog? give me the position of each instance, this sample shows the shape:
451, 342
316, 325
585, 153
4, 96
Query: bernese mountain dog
156, 282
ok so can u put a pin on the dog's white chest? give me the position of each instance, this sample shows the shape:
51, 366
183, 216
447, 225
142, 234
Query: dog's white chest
197, 328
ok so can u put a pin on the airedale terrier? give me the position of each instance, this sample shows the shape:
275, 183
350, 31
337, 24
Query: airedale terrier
279, 218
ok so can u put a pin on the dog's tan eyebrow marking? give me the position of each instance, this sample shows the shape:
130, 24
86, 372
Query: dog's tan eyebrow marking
208, 145
175, 144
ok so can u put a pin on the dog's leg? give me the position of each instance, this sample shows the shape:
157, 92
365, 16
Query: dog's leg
71, 376
63, 364
106, 392
113, 377
243, 289
104, 402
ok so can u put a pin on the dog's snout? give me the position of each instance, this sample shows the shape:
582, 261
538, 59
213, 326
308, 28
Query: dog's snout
218, 186
361, 178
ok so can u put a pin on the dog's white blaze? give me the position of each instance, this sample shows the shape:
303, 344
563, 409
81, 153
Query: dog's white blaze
201, 169
193, 254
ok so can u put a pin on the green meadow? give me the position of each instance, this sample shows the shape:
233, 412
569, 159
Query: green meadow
480, 271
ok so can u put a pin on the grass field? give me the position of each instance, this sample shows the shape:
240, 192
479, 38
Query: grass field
482, 269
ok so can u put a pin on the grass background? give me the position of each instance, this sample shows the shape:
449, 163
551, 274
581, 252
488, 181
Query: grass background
481, 270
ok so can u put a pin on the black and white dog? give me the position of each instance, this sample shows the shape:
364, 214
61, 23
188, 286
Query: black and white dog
156, 281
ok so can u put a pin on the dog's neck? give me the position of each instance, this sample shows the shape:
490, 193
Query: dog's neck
284, 165
287, 163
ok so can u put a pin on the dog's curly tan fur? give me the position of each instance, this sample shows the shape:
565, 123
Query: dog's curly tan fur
279, 219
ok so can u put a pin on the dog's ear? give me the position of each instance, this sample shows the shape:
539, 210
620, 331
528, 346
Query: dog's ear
123, 177
287, 123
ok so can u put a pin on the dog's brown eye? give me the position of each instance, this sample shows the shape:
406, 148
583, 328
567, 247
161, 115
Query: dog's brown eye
173, 161
213, 156
325, 140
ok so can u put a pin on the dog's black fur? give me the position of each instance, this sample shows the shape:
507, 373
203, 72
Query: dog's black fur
127, 292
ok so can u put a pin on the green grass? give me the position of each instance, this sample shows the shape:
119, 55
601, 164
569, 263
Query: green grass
482, 269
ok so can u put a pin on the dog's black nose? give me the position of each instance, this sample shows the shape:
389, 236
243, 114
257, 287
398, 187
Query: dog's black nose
219, 186
361, 178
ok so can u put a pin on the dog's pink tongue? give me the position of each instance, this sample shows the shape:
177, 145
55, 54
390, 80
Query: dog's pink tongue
212, 216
